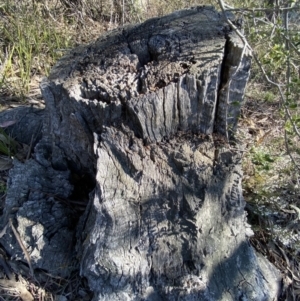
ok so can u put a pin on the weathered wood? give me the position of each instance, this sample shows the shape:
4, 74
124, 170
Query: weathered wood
27, 126
144, 115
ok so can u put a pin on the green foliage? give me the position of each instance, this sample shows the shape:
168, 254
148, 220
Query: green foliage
8, 146
289, 124
269, 96
3, 188
275, 42
276, 57
261, 159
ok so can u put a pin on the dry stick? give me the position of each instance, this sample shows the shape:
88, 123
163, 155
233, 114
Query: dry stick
17, 235
2, 68
288, 75
287, 47
3, 231
288, 114
288, 149
30, 148
281, 9
48, 12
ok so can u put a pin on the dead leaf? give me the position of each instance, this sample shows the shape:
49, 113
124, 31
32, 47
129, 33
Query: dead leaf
5, 163
5, 124
4, 139
263, 120
20, 287
262, 136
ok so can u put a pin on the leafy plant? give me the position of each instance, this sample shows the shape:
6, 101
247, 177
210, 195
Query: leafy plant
8, 146
261, 159
3, 188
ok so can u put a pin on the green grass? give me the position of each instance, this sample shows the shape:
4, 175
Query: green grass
8, 146
30, 45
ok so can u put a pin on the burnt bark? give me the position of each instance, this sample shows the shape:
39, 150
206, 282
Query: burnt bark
138, 127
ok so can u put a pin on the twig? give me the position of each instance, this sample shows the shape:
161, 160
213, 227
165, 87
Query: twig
30, 148
290, 43
288, 150
17, 235
3, 65
280, 9
3, 231
48, 12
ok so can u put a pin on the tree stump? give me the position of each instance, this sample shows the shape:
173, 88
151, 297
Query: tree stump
138, 128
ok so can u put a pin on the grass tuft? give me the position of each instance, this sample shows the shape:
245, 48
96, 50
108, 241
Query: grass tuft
29, 47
